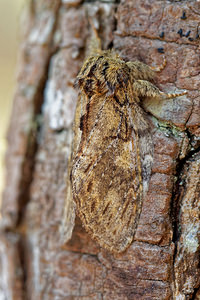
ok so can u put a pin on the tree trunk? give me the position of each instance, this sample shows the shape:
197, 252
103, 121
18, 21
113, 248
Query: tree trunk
163, 260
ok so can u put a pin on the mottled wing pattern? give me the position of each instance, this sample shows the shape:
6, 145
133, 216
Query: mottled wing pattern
106, 174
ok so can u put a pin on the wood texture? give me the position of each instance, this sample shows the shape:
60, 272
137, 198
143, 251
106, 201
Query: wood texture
162, 262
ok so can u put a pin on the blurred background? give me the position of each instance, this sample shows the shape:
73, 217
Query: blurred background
10, 11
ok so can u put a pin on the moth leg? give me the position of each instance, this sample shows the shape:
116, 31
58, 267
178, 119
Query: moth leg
140, 70
172, 95
160, 67
143, 88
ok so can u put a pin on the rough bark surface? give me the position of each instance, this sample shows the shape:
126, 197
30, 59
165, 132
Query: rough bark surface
163, 261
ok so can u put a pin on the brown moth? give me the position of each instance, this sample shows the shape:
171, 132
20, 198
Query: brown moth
112, 147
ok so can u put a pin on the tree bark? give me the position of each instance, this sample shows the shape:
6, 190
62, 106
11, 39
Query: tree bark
163, 261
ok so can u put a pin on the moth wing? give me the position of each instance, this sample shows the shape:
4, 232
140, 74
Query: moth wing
107, 173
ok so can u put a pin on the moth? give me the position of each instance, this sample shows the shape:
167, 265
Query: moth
112, 146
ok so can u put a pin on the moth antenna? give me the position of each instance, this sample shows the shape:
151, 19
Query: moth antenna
95, 41
161, 67
172, 95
